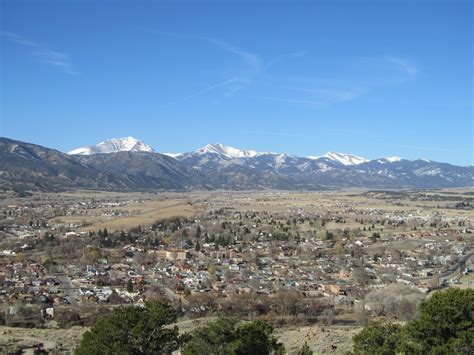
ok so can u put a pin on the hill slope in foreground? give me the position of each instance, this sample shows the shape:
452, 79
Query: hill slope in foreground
327, 339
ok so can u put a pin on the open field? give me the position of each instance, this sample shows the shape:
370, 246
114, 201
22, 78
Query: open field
132, 210
148, 212
320, 339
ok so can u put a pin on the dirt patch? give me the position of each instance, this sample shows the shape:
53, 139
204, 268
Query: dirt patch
55, 341
321, 340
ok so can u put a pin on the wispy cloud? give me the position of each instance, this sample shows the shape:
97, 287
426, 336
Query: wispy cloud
403, 64
254, 66
282, 57
249, 58
210, 88
47, 55
57, 59
388, 68
331, 95
17, 39
254, 60
368, 74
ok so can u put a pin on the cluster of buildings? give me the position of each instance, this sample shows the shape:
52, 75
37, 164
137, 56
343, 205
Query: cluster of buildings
321, 253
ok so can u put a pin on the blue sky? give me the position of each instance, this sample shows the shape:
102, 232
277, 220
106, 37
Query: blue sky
372, 78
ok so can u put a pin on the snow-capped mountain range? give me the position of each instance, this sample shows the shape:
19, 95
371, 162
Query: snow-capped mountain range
129, 164
219, 150
130, 144
114, 145
231, 153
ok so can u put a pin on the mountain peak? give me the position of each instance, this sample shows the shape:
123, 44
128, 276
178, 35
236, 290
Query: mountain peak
343, 158
114, 145
225, 150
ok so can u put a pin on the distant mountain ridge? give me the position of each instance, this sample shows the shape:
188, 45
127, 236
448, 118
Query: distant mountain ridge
129, 164
131, 144
26, 166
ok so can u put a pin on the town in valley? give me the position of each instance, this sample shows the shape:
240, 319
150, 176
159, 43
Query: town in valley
329, 258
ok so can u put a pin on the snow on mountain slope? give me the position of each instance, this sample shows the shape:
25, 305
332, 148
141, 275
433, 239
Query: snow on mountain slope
389, 160
227, 151
393, 159
114, 145
173, 155
344, 159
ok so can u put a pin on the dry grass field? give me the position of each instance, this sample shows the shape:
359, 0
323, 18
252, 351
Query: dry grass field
148, 212
135, 209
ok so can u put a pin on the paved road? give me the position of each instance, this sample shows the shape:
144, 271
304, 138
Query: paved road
450, 273
154, 282
66, 287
